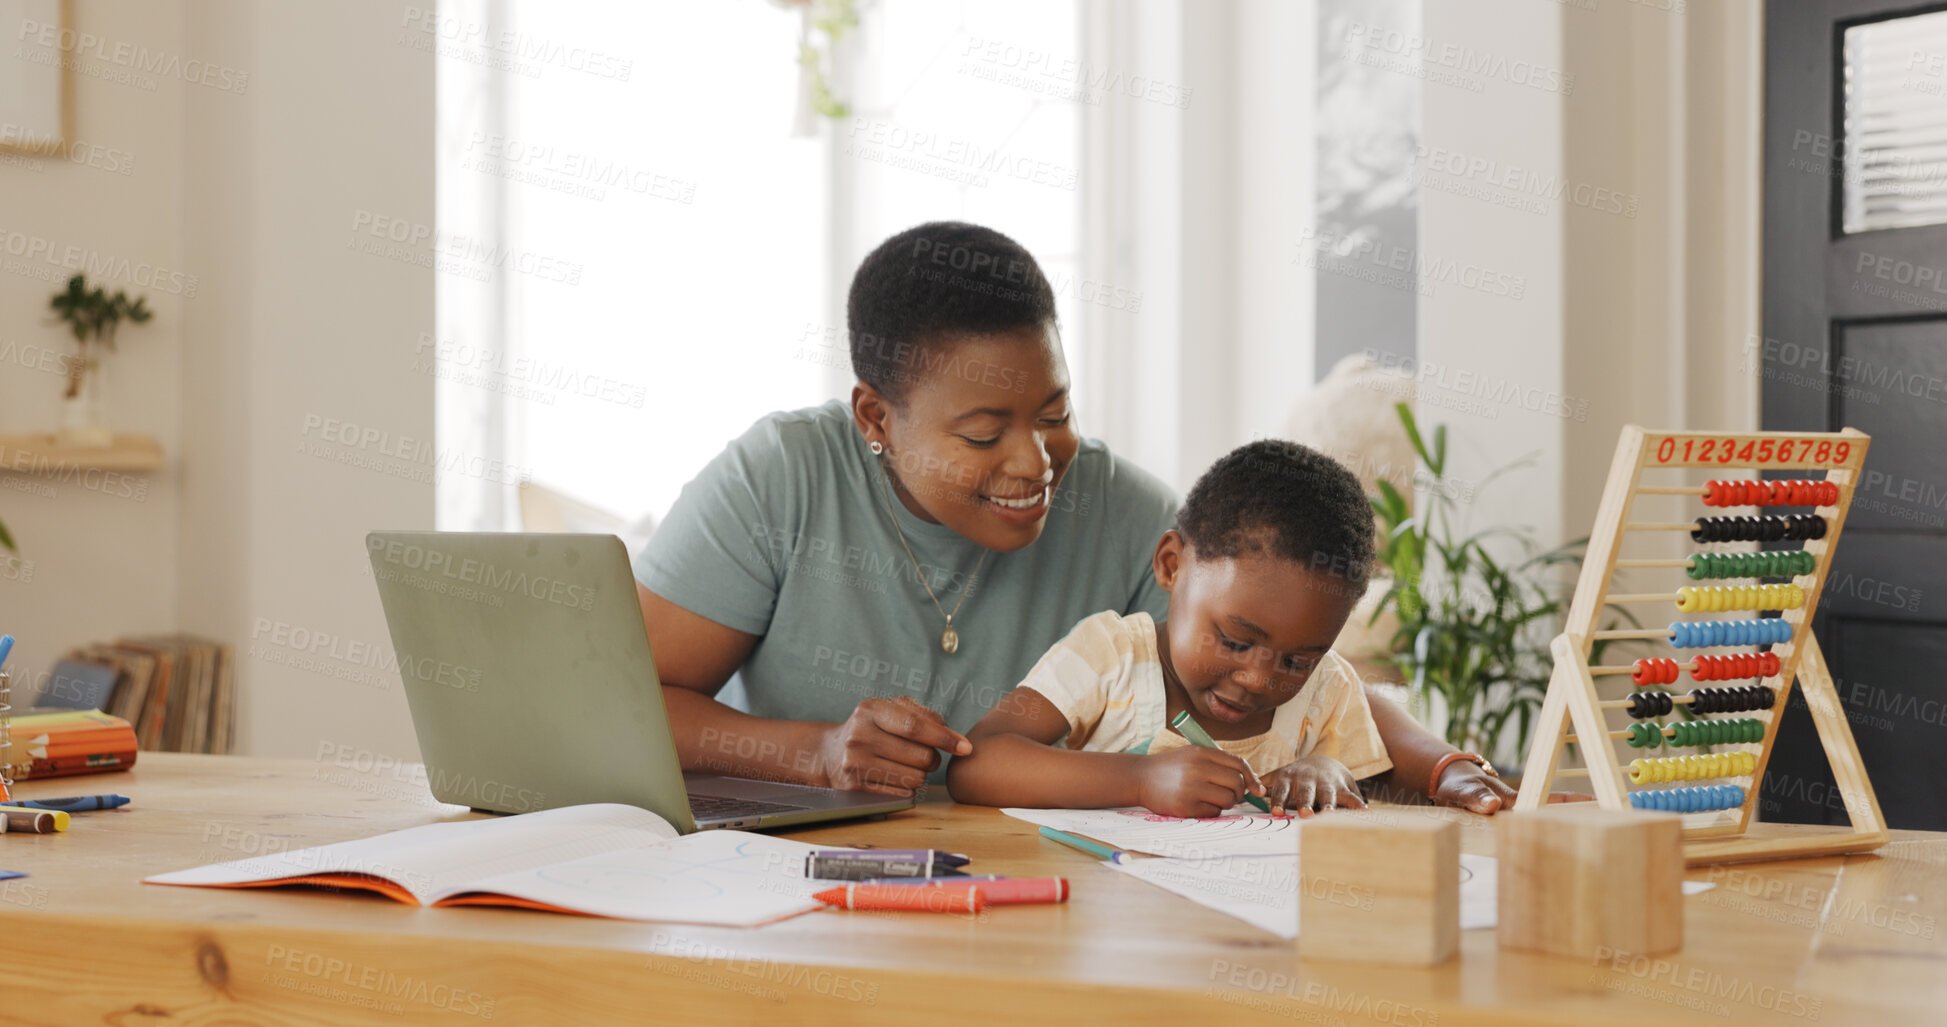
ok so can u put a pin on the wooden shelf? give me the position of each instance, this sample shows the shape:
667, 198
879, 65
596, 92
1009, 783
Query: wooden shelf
40, 454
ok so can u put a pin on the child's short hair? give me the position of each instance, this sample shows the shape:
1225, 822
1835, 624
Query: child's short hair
940, 279
1279, 498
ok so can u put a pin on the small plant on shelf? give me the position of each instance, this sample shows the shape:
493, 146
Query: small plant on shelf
93, 316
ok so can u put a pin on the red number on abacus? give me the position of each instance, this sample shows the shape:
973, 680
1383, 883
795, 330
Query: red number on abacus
1765, 451
1687, 443
1665, 450
1807, 451
1724, 457
1745, 453
1841, 452
1825, 452
1704, 454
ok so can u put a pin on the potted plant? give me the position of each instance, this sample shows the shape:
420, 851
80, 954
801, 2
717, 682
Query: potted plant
93, 316
1473, 630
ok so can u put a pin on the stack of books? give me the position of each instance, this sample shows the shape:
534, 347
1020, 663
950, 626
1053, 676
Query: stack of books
178, 691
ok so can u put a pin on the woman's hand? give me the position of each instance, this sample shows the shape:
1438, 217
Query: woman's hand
1310, 784
1194, 782
886, 746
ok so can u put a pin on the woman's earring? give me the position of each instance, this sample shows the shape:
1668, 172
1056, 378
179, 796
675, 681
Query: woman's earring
877, 447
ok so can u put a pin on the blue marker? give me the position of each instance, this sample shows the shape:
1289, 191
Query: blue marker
6, 646
76, 804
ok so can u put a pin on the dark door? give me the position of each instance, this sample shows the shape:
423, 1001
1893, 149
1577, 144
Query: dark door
1855, 334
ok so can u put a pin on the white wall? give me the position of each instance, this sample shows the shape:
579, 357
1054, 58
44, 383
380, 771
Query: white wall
101, 561
254, 191
307, 332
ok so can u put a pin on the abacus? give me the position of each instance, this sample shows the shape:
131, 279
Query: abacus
1717, 813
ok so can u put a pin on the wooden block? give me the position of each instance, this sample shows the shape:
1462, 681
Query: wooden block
1379, 887
1576, 878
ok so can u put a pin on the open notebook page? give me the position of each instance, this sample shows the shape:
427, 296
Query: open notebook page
437, 860
731, 878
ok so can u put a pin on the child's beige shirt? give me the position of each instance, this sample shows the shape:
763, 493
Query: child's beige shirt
1106, 677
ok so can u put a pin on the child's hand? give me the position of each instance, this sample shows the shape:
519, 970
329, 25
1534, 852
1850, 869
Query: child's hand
1313, 782
1194, 782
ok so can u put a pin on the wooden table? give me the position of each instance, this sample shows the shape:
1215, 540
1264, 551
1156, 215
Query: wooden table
1835, 940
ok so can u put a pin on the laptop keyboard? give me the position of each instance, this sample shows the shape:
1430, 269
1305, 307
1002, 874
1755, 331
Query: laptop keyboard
713, 807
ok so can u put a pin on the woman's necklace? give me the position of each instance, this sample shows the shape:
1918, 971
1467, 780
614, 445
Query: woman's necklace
949, 639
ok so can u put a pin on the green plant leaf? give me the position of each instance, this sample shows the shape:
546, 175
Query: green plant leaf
7, 540
1412, 431
1439, 462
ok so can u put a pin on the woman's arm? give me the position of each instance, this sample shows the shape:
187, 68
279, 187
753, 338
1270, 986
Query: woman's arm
1019, 765
886, 745
1414, 751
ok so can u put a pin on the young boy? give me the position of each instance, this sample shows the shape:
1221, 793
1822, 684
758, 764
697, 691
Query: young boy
1268, 556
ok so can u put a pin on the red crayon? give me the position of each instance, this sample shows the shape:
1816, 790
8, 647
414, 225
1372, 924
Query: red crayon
894, 897
1010, 891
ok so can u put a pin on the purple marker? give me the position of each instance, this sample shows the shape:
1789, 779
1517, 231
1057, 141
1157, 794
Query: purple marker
933, 856
936, 880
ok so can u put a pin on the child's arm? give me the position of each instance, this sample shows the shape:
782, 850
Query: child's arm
1310, 783
1016, 763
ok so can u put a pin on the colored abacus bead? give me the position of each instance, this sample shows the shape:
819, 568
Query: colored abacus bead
1713, 732
1654, 672
1706, 634
1645, 736
1689, 800
1730, 668
1732, 700
1767, 528
1715, 598
1798, 492
1782, 563
1692, 768
1644, 705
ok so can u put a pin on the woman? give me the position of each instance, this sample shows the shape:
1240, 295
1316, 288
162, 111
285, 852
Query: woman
880, 573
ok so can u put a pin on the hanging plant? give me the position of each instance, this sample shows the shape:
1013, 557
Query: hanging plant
822, 24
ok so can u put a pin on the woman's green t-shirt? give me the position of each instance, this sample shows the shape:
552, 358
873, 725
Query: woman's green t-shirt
786, 535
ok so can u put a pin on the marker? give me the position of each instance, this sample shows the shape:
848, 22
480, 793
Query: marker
34, 821
1194, 731
1013, 891
933, 856
74, 804
913, 900
845, 868
939, 882
6, 646
1095, 849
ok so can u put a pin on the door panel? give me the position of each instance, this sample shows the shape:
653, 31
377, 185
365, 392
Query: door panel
1855, 334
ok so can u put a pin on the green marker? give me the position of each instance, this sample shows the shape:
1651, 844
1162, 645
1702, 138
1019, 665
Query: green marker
1194, 731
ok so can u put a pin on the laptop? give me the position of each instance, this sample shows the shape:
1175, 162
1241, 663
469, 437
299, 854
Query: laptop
527, 669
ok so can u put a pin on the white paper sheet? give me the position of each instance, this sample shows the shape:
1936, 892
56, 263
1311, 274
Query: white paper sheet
1244, 864
1241, 832
436, 860
729, 878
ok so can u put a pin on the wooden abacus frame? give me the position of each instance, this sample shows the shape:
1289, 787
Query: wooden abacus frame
1572, 697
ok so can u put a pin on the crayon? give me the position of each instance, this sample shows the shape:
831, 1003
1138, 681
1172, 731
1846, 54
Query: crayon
839, 868
1095, 849
916, 900
1010, 891
934, 856
1196, 735
34, 821
74, 804
937, 882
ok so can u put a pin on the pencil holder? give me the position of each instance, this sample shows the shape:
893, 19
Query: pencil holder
6, 735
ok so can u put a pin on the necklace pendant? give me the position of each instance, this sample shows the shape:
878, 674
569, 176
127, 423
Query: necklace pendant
950, 639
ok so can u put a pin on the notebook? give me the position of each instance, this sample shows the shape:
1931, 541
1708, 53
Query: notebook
601, 859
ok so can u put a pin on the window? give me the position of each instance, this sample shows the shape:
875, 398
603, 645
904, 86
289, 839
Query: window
676, 259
